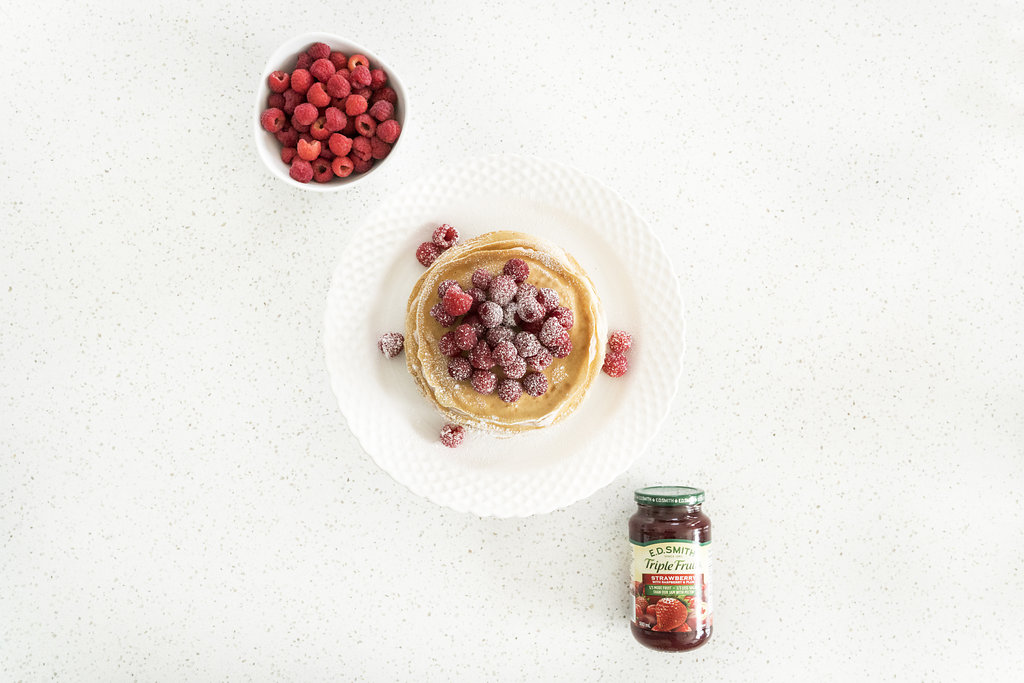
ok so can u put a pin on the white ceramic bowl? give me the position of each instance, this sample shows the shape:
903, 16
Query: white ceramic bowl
284, 58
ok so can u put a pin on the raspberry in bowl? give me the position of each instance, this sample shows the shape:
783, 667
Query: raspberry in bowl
321, 122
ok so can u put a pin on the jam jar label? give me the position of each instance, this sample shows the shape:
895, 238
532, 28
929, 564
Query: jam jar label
672, 585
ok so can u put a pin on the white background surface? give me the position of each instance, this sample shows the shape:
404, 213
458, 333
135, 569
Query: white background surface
841, 190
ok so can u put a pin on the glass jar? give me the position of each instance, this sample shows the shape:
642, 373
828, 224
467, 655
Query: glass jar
671, 582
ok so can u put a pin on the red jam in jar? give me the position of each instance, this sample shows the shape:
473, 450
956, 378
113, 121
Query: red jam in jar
671, 588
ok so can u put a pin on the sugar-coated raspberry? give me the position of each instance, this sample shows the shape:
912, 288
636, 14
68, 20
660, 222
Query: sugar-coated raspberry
305, 114
515, 368
338, 59
620, 341
526, 291
288, 154
535, 384
459, 368
360, 77
377, 78
427, 253
378, 148
334, 119
339, 144
502, 290
341, 166
303, 61
509, 319
527, 344
456, 302
443, 287
473, 320
308, 150
338, 86
301, 80
615, 364
365, 125
549, 331
499, 334
482, 278
358, 60
564, 316
530, 327
465, 337
452, 435
319, 130
518, 269
505, 352
490, 313
321, 170
510, 390
446, 345
479, 296
272, 120
388, 131
530, 311
287, 136
385, 94
438, 313
381, 111
391, 344
278, 81
481, 357
275, 100
484, 381
445, 236
540, 361
548, 298
322, 70
562, 348
355, 105
361, 165
301, 170
292, 99
319, 51
361, 149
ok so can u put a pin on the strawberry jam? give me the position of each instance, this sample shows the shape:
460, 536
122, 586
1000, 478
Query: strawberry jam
671, 582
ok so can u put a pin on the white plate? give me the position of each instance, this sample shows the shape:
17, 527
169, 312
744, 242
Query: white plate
548, 468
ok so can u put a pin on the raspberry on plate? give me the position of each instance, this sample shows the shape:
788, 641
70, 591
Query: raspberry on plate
452, 435
535, 384
564, 316
527, 345
505, 352
482, 278
490, 313
456, 302
427, 253
443, 287
510, 390
540, 361
391, 344
481, 357
615, 364
465, 337
516, 368
445, 236
619, 341
459, 368
502, 290
446, 345
438, 313
484, 381
518, 269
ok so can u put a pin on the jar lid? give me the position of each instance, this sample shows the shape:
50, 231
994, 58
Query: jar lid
668, 495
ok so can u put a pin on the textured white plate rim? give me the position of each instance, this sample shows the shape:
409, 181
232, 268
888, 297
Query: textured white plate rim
338, 387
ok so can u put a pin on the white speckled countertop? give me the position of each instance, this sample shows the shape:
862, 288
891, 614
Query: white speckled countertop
841, 188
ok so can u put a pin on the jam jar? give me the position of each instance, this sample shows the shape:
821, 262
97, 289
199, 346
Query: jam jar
671, 582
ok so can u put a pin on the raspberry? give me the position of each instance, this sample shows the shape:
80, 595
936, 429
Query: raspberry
272, 120
308, 150
391, 344
527, 344
360, 77
535, 384
379, 149
452, 435
355, 105
358, 60
465, 337
484, 381
427, 253
381, 111
388, 131
326, 153
303, 61
530, 327
518, 269
496, 335
438, 313
564, 316
349, 130
509, 390
539, 362
446, 345
481, 357
459, 368
337, 86
365, 93
443, 287
377, 79
361, 165
509, 319
275, 101
615, 364
319, 129
301, 80
361, 149
288, 137
504, 353
322, 70
386, 94
530, 311
479, 296
490, 313
548, 298
301, 170
482, 278
365, 125
473, 320
341, 166
445, 236
456, 302
322, 170
562, 348
619, 341
288, 154
305, 114
338, 143
334, 119
319, 51
549, 331
339, 60
278, 81
502, 289
515, 368
317, 96
526, 291
292, 99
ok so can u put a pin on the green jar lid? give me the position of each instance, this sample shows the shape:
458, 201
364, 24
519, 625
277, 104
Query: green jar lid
668, 495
